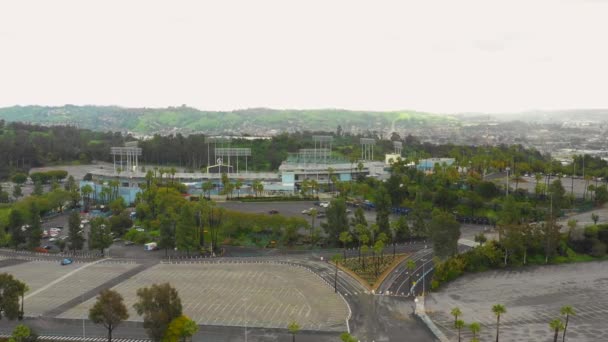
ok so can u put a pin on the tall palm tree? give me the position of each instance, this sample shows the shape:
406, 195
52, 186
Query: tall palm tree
475, 327
459, 324
498, 310
336, 259
456, 313
568, 311
556, 325
238, 185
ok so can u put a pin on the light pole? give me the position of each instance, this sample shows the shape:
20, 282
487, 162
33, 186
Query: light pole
423, 276
508, 169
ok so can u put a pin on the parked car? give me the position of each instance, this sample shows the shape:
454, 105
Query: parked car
129, 243
67, 261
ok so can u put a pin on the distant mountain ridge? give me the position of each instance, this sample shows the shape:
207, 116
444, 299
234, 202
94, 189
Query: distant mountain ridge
255, 121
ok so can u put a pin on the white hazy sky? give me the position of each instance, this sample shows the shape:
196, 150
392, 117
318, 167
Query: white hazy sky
443, 56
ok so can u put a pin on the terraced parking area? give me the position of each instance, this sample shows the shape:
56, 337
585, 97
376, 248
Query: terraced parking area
532, 297
255, 295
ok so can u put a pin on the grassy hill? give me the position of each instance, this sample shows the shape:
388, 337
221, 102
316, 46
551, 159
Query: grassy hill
250, 121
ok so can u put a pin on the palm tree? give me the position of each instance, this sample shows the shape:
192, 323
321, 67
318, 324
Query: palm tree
238, 185
86, 193
293, 328
568, 311
207, 187
411, 266
313, 215
456, 313
314, 186
336, 259
498, 310
556, 325
459, 324
475, 327
345, 238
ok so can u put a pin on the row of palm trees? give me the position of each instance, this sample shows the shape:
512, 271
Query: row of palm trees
556, 325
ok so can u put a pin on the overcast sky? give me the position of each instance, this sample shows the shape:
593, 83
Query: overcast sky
441, 56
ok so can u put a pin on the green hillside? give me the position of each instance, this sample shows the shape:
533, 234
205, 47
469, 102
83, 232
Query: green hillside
251, 121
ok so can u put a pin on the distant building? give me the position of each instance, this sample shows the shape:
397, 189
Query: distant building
428, 165
392, 158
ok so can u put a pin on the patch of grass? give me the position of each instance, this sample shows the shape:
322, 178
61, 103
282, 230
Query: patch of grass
370, 268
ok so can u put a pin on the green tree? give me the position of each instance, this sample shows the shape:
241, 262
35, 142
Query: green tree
556, 325
567, 311
38, 190
345, 238
86, 192
159, 305
459, 324
19, 178
75, 236
475, 328
118, 205
21, 333
498, 310
185, 230
167, 232
34, 232
293, 329
15, 222
444, 231
456, 313
10, 291
109, 310
383, 209
17, 191
207, 187
336, 259
180, 329
337, 220
595, 217
100, 235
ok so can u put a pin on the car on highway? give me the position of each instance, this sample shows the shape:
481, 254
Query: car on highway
67, 261
273, 212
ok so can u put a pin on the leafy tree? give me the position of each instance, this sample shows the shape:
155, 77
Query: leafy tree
100, 235
19, 178
337, 220
17, 191
34, 232
185, 231
475, 328
180, 329
118, 205
444, 231
456, 313
10, 291
359, 218
21, 333
567, 311
383, 209
293, 329
159, 305
75, 236
345, 238
595, 217
86, 191
15, 222
459, 324
498, 310
109, 310
411, 267
556, 325
481, 238
167, 232
38, 190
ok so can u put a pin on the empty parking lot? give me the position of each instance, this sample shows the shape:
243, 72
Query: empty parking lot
532, 297
255, 295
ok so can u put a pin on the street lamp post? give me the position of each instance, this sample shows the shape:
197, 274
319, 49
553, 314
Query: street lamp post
423, 276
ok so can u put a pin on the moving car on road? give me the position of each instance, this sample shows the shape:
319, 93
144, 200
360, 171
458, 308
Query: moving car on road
67, 261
